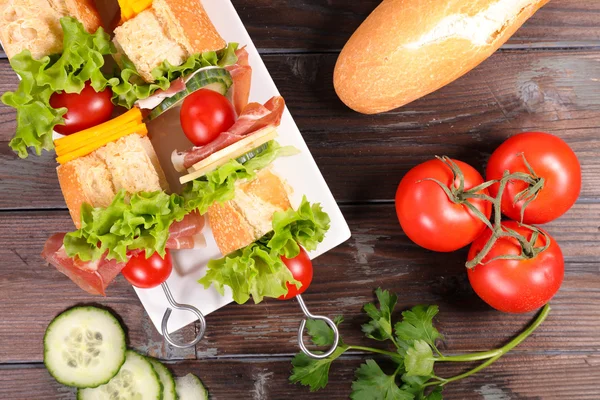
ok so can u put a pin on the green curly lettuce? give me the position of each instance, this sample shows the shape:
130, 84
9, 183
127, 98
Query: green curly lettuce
129, 86
219, 185
81, 61
257, 270
140, 222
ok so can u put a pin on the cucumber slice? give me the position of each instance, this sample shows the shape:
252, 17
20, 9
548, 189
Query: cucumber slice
166, 378
189, 387
217, 79
84, 347
136, 380
252, 153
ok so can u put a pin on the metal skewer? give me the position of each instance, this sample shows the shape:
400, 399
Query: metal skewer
183, 307
332, 325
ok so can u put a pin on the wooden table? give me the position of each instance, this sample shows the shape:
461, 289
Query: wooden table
546, 78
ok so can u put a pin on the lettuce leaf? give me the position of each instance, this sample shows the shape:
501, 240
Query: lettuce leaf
219, 185
129, 86
257, 269
81, 60
139, 222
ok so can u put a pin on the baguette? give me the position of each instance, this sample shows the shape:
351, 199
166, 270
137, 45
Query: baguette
130, 163
247, 217
409, 48
35, 24
170, 30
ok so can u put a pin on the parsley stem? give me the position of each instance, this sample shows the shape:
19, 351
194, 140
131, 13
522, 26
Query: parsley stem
372, 350
484, 355
499, 352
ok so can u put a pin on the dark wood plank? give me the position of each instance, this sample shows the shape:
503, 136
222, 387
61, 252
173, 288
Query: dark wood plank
378, 254
364, 157
515, 376
326, 25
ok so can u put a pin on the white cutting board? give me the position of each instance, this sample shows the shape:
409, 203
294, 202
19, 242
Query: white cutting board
300, 171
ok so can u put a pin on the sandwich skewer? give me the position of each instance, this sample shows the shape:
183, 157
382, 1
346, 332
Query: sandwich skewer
328, 321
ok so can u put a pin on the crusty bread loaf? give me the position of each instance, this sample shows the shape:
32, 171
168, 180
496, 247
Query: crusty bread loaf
408, 48
171, 30
248, 216
35, 25
130, 163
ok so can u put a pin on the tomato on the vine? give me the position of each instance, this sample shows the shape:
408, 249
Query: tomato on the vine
204, 115
302, 270
84, 110
521, 285
552, 160
149, 272
428, 216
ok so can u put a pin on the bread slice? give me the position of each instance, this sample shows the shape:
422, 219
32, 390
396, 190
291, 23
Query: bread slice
248, 216
130, 163
35, 25
145, 42
171, 30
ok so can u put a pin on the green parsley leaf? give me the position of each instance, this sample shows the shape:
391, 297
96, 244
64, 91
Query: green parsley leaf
435, 395
320, 333
373, 384
311, 372
380, 328
417, 324
419, 359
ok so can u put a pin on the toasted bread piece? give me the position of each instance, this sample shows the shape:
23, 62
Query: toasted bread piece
130, 163
248, 216
35, 24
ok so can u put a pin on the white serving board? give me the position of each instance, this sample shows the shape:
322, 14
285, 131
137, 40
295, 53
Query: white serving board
300, 171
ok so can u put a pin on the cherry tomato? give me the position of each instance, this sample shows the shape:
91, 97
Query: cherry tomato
150, 272
551, 159
516, 286
84, 110
428, 217
302, 270
204, 115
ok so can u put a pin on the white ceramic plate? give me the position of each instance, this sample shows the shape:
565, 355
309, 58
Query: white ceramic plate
300, 171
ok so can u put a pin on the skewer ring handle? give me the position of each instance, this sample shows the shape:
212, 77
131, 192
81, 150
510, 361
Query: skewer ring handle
328, 321
182, 307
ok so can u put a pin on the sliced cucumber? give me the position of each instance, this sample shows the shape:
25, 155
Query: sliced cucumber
217, 79
84, 347
189, 387
136, 380
166, 378
252, 153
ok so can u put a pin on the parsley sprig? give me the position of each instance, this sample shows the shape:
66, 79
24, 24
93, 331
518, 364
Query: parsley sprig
414, 354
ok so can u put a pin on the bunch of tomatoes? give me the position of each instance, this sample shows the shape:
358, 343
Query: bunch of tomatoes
532, 178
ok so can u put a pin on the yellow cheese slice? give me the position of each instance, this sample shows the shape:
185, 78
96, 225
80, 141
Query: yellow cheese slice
139, 129
78, 145
87, 134
234, 151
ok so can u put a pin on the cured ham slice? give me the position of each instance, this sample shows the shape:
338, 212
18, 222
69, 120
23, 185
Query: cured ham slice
157, 97
241, 73
254, 117
93, 277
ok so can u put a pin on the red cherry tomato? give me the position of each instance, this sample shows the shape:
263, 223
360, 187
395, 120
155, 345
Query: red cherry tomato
150, 272
516, 286
84, 110
302, 270
428, 217
552, 159
204, 115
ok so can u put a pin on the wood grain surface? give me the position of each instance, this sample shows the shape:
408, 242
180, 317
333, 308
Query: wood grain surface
546, 78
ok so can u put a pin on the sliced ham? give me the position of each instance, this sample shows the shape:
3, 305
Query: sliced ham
93, 277
157, 97
241, 73
254, 117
